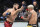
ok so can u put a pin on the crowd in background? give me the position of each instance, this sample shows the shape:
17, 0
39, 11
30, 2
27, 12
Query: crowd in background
4, 8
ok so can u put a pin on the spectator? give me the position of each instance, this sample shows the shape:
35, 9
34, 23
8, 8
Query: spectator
24, 4
36, 7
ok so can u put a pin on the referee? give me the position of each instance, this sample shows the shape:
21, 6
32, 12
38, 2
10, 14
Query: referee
36, 7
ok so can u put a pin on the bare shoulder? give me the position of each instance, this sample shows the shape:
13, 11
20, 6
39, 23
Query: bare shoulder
35, 12
9, 9
18, 9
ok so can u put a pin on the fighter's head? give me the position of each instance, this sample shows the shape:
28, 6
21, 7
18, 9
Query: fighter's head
30, 7
16, 5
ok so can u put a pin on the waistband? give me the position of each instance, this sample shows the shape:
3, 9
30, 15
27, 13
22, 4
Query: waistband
32, 24
8, 22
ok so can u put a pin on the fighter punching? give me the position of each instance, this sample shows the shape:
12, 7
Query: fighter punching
11, 14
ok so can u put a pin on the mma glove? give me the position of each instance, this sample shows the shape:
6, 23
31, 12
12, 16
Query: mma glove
8, 13
21, 17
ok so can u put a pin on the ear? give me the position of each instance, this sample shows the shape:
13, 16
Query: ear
14, 5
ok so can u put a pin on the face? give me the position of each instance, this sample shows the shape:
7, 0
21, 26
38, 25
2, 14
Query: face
39, 10
17, 6
29, 9
34, 3
23, 2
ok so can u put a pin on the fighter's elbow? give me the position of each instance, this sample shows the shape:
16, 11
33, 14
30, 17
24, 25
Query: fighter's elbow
28, 19
18, 10
3, 14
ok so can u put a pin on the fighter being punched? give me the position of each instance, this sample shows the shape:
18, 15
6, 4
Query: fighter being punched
32, 15
11, 14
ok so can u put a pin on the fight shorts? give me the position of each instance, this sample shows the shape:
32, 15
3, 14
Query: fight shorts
31, 25
7, 24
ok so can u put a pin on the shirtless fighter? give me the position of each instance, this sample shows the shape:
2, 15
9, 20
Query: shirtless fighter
32, 15
11, 14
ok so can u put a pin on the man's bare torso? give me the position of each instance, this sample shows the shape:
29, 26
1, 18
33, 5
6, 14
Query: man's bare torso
12, 17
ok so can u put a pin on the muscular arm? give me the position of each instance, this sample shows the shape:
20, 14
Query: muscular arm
4, 14
18, 10
26, 19
21, 8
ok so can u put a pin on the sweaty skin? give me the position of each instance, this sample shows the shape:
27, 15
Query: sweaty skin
13, 15
32, 17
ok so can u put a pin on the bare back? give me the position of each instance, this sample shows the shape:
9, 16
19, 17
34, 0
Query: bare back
33, 19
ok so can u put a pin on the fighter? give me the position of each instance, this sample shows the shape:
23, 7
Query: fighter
11, 14
32, 16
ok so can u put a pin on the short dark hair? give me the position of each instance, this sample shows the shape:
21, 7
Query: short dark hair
34, 1
15, 3
23, 1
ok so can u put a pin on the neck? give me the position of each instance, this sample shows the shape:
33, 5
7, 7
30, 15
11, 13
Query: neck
31, 10
13, 8
34, 5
